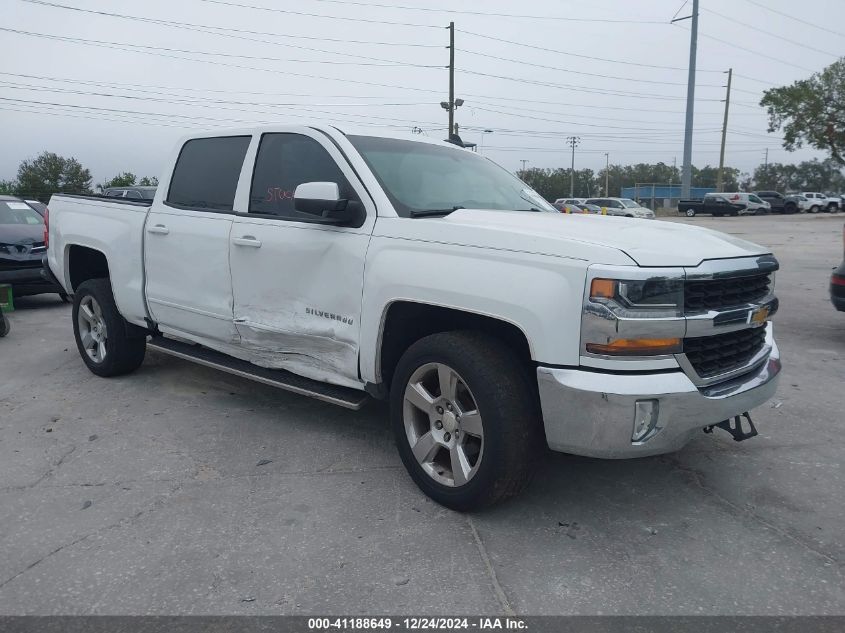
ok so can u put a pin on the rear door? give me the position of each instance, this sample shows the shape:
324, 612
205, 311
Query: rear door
297, 283
186, 241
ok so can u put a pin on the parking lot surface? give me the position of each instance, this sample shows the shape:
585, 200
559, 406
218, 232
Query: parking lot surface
180, 490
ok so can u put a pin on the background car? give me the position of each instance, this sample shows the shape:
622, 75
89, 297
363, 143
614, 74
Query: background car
22, 245
837, 281
819, 202
779, 202
622, 207
137, 193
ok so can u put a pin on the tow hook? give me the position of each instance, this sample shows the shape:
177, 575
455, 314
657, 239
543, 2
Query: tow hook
735, 427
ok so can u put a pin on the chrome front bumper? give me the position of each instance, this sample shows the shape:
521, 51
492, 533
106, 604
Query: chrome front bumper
592, 412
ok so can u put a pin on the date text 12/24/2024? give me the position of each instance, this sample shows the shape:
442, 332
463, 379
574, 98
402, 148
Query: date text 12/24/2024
416, 624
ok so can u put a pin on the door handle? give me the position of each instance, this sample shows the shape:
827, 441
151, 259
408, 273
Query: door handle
158, 229
247, 240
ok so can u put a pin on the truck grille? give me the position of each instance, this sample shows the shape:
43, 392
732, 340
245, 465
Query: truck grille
717, 294
714, 355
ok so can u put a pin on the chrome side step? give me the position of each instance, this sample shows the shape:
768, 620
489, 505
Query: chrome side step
334, 394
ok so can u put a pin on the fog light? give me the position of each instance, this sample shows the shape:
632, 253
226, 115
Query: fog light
646, 413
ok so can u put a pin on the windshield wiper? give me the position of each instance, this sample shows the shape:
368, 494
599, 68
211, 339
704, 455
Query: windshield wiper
426, 213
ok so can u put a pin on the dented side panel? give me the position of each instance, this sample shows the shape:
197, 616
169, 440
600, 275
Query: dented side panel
297, 299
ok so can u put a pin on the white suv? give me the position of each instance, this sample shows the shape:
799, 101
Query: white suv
622, 206
820, 202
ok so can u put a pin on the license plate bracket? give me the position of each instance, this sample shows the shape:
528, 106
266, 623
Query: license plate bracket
735, 427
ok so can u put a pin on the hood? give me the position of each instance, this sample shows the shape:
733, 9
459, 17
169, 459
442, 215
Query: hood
21, 233
590, 237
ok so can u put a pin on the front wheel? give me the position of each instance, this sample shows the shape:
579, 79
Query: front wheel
4, 325
109, 345
465, 418
690, 213
814, 208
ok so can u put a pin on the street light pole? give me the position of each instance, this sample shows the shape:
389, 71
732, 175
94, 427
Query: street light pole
573, 142
481, 148
686, 176
607, 174
452, 78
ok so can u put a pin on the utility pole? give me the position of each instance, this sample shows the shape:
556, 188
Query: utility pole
719, 186
607, 173
573, 142
452, 77
523, 161
686, 176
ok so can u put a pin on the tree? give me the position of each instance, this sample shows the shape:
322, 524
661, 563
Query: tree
8, 187
50, 173
148, 181
124, 179
809, 175
811, 111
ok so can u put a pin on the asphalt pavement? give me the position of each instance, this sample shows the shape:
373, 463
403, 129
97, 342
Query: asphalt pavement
181, 490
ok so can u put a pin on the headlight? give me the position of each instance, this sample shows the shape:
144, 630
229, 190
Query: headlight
633, 318
630, 297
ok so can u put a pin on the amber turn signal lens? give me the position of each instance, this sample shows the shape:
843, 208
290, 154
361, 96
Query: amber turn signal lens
603, 288
637, 347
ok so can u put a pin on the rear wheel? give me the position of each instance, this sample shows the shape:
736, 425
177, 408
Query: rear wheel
790, 207
814, 209
465, 418
109, 345
690, 213
4, 325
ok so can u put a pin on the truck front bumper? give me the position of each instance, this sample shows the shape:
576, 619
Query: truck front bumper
595, 413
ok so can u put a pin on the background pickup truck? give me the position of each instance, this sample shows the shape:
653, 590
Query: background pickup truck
346, 267
712, 203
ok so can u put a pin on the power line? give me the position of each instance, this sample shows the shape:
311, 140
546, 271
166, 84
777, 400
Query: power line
478, 13
578, 72
749, 50
376, 61
792, 17
287, 11
267, 70
780, 38
579, 55
146, 88
601, 91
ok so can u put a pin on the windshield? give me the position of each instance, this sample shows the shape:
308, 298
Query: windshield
421, 177
12, 212
628, 203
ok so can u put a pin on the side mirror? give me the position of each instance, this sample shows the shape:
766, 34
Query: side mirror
322, 200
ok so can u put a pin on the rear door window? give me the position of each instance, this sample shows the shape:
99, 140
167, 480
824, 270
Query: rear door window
207, 172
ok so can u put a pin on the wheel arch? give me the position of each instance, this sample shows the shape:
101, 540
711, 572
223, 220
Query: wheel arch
84, 263
403, 322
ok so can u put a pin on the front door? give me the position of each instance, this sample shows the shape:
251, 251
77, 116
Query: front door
298, 284
186, 242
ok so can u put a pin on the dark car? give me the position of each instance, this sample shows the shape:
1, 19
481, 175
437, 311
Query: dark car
779, 202
22, 246
837, 281
713, 203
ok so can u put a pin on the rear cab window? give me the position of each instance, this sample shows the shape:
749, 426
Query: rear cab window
207, 172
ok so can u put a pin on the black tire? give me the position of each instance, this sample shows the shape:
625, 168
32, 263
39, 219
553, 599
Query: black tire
815, 208
628, 215
790, 208
506, 401
5, 326
126, 344
690, 213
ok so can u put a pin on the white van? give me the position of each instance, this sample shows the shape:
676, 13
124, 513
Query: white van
754, 205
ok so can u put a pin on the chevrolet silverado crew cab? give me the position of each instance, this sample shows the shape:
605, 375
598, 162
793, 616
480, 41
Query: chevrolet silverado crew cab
354, 266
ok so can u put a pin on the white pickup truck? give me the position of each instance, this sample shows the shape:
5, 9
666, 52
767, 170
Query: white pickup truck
352, 266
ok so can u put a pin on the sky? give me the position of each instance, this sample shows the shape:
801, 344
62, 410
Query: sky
116, 83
